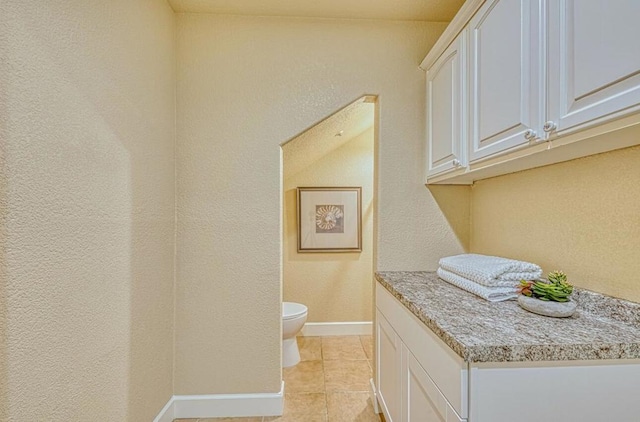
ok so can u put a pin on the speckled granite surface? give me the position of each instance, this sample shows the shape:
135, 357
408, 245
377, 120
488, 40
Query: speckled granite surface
481, 331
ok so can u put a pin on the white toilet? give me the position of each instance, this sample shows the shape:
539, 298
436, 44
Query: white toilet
294, 315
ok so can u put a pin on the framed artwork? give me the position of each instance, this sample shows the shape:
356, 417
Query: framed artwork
330, 219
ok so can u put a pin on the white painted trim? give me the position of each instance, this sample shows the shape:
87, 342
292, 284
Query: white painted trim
460, 20
364, 328
166, 414
223, 405
374, 396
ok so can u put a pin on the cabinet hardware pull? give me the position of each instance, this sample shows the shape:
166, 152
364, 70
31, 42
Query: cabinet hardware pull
530, 134
549, 126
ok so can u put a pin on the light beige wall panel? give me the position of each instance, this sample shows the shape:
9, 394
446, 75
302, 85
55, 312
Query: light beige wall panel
454, 201
87, 109
580, 217
246, 85
335, 287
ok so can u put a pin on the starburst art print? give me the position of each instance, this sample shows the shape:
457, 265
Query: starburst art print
329, 218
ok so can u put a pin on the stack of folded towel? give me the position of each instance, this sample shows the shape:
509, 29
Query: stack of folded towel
490, 277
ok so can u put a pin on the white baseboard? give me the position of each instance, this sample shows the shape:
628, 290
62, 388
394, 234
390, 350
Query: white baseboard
364, 328
223, 405
166, 414
374, 397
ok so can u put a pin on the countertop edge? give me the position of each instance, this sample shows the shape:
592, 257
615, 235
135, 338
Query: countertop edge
457, 347
525, 352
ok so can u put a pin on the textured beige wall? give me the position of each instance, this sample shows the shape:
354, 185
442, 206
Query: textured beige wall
246, 85
334, 286
87, 109
581, 216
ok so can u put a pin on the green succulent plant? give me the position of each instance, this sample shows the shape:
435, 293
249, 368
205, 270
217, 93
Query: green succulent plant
555, 289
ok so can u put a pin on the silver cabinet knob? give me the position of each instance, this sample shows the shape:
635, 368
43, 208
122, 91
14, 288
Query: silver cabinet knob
530, 134
456, 163
549, 126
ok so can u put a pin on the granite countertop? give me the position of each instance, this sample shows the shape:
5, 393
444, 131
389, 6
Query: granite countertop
482, 331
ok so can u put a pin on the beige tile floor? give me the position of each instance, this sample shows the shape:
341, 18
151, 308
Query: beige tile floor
330, 384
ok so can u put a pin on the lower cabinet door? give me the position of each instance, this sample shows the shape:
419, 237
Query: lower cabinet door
388, 352
422, 400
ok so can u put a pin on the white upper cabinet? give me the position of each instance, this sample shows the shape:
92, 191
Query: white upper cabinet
505, 69
445, 109
507, 76
594, 61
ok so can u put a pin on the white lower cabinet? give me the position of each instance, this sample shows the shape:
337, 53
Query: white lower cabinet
422, 400
388, 352
419, 379
559, 391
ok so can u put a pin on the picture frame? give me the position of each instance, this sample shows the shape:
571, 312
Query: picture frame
329, 219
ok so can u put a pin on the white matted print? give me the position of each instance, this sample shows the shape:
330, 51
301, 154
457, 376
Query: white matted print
329, 219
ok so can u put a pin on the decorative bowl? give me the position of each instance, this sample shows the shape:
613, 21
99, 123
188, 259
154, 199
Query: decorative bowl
547, 308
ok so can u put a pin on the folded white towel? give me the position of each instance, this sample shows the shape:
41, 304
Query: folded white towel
492, 294
491, 271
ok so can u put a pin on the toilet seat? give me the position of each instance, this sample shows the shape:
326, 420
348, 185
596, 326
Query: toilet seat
292, 310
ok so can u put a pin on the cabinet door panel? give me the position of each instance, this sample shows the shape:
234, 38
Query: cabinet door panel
423, 401
505, 76
594, 61
447, 370
389, 370
445, 109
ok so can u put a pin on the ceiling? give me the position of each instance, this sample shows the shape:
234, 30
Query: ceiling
318, 141
421, 10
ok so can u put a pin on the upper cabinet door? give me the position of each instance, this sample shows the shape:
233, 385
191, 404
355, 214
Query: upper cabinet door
594, 61
505, 70
445, 109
